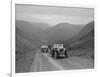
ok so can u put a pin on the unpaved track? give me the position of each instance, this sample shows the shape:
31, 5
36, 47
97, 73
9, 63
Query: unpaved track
43, 62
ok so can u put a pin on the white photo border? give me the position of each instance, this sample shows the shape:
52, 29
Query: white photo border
45, 74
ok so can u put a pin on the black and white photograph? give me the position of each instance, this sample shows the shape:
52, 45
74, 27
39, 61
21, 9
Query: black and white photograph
53, 38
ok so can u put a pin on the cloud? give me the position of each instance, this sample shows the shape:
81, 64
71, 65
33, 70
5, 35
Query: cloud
54, 15
54, 19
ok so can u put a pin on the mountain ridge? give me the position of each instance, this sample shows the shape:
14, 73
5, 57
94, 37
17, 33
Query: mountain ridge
61, 31
89, 28
31, 27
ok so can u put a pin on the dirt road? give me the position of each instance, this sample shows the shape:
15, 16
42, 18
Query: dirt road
43, 62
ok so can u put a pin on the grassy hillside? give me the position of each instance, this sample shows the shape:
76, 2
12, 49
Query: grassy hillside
83, 49
62, 31
25, 50
82, 44
87, 30
30, 27
26, 43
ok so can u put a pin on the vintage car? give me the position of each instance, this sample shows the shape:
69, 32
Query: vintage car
44, 48
58, 50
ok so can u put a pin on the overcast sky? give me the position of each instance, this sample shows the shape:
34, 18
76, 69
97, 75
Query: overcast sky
54, 15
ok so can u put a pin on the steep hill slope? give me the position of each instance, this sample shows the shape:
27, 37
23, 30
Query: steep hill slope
87, 30
62, 31
26, 43
25, 46
31, 27
83, 44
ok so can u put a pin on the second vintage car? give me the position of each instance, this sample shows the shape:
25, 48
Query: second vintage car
44, 49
